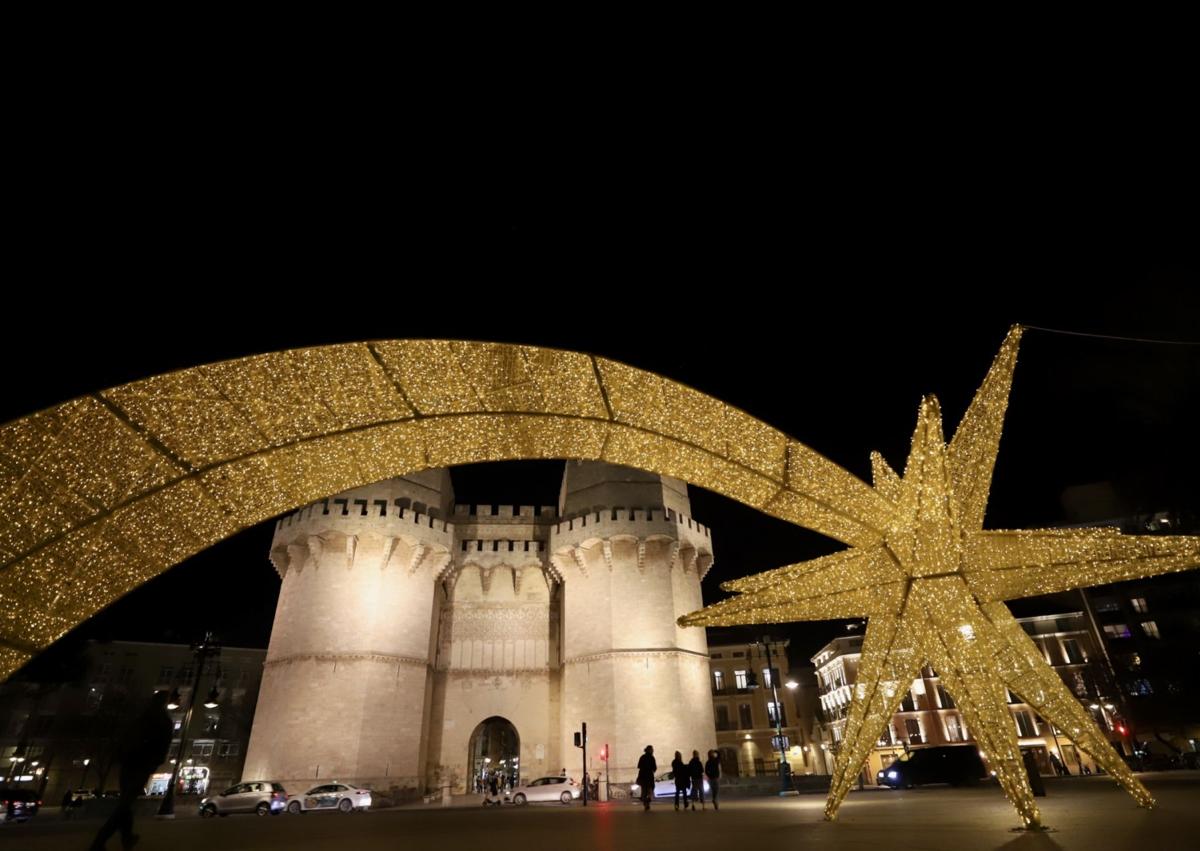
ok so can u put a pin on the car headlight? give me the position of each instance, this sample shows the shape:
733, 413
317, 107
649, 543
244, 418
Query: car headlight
892, 775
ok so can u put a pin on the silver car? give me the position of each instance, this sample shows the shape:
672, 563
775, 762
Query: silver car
559, 789
262, 797
331, 796
664, 787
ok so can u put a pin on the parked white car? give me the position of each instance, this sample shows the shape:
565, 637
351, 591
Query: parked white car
330, 796
664, 787
561, 789
261, 797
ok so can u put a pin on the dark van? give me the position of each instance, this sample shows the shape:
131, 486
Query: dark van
958, 765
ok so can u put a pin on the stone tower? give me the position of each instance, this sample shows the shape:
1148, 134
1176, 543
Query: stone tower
630, 559
410, 632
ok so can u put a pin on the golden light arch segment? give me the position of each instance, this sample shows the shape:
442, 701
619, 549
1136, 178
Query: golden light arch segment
106, 491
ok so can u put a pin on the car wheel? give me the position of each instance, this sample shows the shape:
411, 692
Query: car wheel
519, 800
295, 809
208, 812
346, 805
262, 809
565, 797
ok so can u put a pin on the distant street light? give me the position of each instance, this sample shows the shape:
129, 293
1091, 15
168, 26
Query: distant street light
206, 648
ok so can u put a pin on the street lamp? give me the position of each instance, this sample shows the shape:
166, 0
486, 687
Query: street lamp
206, 648
211, 703
783, 763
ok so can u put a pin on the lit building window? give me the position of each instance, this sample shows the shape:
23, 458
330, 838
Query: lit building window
1139, 604
740, 679
718, 680
1117, 630
1151, 629
913, 727
1108, 605
1025, 725
775, 711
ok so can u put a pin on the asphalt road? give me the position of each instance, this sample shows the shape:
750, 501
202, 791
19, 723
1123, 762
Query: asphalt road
1089, 814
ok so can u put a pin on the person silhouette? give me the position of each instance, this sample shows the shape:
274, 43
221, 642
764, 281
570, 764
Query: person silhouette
141, 749
645, 776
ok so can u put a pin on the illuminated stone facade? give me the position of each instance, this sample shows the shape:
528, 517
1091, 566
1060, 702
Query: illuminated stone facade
928, 716
405, 621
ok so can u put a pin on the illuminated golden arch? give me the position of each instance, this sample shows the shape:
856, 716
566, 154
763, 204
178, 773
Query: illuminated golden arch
104, 492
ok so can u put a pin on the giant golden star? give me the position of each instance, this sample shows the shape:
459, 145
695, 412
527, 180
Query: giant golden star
933, 591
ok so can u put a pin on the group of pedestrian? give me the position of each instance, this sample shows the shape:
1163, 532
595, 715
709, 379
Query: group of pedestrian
689, 778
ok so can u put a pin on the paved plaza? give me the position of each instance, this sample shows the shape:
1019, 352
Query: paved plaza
1089, 814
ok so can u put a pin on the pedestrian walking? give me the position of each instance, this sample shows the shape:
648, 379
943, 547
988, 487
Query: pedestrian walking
695, 770
712, 770
645, 776
142, 748
679, 771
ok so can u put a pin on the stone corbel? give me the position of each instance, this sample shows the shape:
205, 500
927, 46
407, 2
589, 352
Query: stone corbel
580, 561
687, 555
418, 557
559, 563
485, 579
351, 549
440, 562
641, 556
293, 558
389, 547
606, 544
316, 548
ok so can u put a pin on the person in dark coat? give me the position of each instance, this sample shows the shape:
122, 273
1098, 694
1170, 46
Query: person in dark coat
679, 771
142, 748
712, 770
645, 776
695, 770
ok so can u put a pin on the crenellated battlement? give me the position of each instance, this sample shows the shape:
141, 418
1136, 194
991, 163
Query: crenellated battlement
602, 515
344, 506
501, 513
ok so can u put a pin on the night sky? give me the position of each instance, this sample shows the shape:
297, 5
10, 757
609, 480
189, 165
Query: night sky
830, 332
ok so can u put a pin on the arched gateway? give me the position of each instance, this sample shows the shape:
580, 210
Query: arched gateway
495, 748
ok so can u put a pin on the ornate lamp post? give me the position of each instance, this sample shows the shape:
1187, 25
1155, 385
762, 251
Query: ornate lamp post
207, 648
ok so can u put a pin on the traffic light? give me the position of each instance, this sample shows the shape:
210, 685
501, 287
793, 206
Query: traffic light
604, 754
751, 679
578, 740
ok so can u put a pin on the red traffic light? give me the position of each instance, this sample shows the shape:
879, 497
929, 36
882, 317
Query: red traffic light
604, 754
1121, 729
